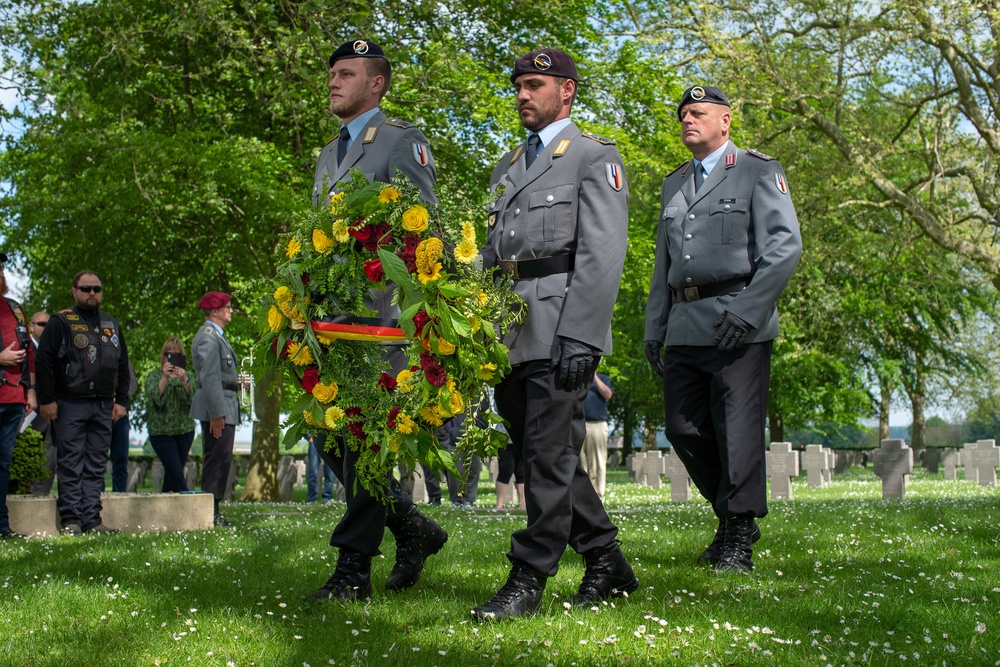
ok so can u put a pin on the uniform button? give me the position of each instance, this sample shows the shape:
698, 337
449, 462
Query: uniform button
726, 207
510, 283
517, 211
687, 258
513, 257
691, 216
566, 290
689, 236
511, 233
549, 198
688, 281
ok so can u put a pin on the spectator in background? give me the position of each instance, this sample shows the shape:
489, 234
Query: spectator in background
17, 387
594, 457
168, 399
44, 426
313, 474
119, 441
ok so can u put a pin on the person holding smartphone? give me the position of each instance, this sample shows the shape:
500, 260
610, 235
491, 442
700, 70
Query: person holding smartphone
171, 430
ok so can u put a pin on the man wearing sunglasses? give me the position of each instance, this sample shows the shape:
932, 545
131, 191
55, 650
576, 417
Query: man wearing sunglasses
83, 383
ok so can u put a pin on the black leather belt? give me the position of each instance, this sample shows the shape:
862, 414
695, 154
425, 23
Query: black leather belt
706, 291
537, 268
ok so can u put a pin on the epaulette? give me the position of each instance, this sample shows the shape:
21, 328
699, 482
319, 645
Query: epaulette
676, 169
598, 138
399, 123
760, 156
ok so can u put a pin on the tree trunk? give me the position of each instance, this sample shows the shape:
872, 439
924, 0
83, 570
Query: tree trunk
918, 401
883, 411
262, 477
776, 427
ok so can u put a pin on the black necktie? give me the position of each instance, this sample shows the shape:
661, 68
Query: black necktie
699, 176
531, 151
345, 136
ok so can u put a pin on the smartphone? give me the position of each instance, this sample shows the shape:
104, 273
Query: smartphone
177, 359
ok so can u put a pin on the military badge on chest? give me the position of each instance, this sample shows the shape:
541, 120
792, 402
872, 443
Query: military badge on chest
92, 353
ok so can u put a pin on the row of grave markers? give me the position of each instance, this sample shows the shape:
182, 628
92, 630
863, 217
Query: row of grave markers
893, 463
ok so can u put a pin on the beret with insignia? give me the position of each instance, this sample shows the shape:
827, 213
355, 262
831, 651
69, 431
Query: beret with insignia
708, 94
545, 61
358, 48
213, 300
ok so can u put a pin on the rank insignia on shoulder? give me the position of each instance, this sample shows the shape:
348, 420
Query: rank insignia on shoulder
399, 123
677, 168
370, 134
730, 160
562, 148
209, 330
781, 183
422, 154
598, 138
615, 174
759, 155
517, 154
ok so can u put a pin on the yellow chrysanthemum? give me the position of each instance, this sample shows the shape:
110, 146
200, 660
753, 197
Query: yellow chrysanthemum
308, 418
335, 200
466, 251
433, 274
326, 393
405, 424
299, 354
483, 298
444, 347
275, 320
395, 443
332, 416
428, 252
430, 414
389, 194
294, 246
321, 241
341, 231
486, 371
282, 294
290, 310
415, 219
469, 231
403, 383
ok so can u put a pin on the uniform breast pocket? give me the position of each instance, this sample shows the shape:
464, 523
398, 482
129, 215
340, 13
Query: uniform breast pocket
667, 219
553, 213
728, 220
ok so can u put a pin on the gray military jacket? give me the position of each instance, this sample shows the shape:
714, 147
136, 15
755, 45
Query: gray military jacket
573, 199
740, 224
383, 148
215, 368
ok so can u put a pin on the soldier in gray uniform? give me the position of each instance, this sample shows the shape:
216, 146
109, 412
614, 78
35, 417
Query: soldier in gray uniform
727, 244
216, 401
559, 231
360, 76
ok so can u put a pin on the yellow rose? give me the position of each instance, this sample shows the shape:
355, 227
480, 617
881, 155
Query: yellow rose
457, 403
415, 219
321, 241
444, 347
299, 354
405, 424
389, 194
429, 413
326, 393
486, 371
341, 231
282, 294
332, 416
466, 251
469, 231
275, 320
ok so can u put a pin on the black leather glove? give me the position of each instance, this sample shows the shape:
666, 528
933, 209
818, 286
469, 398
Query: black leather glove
654, 351
573, 363
732, 332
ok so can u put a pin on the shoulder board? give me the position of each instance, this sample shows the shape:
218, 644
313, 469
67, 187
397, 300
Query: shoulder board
676, 169
399, 123
759, 155
598, 138
514, 154
209, 330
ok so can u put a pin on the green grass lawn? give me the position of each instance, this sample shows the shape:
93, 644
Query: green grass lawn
842, 577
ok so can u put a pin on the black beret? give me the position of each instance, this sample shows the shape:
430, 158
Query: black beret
545, 61
702, 94
359, 48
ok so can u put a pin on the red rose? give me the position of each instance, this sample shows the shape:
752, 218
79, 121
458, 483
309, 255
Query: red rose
310, 379
382, 234
387, 382
420, 320
373, 270
355, 426
391, 418
375, 448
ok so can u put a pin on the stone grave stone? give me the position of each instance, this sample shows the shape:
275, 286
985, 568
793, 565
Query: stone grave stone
782, 464
680, 482
628, 465
493, 466
419, 494
286, 477
136, 475
985, 459
931, 461
815, 460
831, 463
949, 460
613, 459
648, 467
158, 474
971, 471
893, 463
300, 472
191, 475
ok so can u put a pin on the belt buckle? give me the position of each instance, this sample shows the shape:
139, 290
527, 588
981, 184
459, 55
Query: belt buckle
691, 294
509, 267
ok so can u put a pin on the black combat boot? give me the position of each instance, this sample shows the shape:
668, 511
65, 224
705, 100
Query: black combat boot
712, 554
608, 575
736, 552
417, 537
522, 594
351, 579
